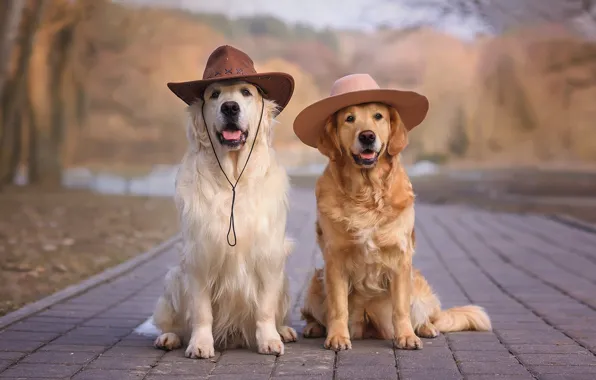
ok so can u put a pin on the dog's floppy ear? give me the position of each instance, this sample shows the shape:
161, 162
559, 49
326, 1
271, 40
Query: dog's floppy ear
398, 137
196, 130
329, 140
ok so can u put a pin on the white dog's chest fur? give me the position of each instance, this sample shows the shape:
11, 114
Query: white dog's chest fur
259, 216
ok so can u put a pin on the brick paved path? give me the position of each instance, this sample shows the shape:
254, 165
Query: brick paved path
536, 277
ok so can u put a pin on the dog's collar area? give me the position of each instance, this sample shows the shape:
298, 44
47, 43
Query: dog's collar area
232, 227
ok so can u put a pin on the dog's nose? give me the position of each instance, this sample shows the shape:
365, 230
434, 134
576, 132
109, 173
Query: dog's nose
367, 137
230, 109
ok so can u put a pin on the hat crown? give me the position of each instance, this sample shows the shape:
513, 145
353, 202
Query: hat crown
353, 82
228, 61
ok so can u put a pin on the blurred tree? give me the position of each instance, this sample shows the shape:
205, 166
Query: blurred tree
45, 93
15, 93
501, 15
10, 19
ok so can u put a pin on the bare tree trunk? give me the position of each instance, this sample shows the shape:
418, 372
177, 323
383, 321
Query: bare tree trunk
13, 11
32, 167
18, 90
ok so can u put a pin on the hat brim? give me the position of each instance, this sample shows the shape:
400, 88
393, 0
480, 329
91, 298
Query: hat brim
275, 86
310, 123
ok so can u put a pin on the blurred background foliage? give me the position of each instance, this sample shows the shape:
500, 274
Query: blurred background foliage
83, 84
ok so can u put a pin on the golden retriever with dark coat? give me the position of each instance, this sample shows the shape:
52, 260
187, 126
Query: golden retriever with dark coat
365, 229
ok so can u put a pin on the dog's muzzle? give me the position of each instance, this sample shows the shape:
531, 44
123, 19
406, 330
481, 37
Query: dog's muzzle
231, 135
369, 153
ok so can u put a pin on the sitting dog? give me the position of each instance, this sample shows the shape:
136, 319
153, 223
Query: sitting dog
229, 288
365, 225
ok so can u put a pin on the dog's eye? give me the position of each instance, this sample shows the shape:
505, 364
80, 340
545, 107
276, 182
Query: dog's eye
245, 92
378, 116
215, 95
350, 119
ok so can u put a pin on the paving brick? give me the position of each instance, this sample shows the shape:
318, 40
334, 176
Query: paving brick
546, 349
115, 362
477, 356
557, 359
11, 355
427, 361
251, 376
477, 346
575, 376
367, 372
109, 374
249, 369
327, 376
54, 371
486, 368
60, 357
562, 369
351, 358
97, 340
20, 345
303, 369
72, 348
29, 326
178, 377
500, 377
28, 335
127, 352
428, 374
240, 357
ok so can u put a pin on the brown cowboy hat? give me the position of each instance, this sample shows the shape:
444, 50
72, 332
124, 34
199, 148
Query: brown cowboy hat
227, 62
357, 89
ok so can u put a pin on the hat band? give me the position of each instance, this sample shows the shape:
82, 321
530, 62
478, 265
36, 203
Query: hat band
216, 73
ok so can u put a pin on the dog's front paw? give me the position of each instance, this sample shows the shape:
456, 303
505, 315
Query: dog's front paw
168, 341
200, 349
338, 342
287, 334
407, 342
271, 347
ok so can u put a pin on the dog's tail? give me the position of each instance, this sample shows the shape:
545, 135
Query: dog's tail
463, 318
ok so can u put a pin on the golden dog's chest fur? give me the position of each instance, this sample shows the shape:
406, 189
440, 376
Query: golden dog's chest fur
371, 229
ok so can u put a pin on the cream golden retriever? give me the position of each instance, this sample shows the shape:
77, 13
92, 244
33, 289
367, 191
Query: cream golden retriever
365, 229
220, 295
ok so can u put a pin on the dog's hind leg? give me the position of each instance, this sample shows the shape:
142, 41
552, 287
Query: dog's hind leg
167, 315
424, 305
286, 333
314, 311
164, 317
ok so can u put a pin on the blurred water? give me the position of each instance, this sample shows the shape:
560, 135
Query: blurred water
161, 180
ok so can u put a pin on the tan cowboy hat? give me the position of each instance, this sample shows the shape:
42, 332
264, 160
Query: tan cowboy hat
227, 62
357, 89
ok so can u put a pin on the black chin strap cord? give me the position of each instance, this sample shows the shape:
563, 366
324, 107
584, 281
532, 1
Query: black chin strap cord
232, 227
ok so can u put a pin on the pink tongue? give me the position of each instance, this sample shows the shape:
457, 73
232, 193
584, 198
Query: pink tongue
231, 135
367, 155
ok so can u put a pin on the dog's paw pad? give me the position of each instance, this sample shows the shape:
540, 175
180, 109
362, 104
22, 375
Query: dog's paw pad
200, 351
408, 342
168, 341
287, 334
271, 347
338, 343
